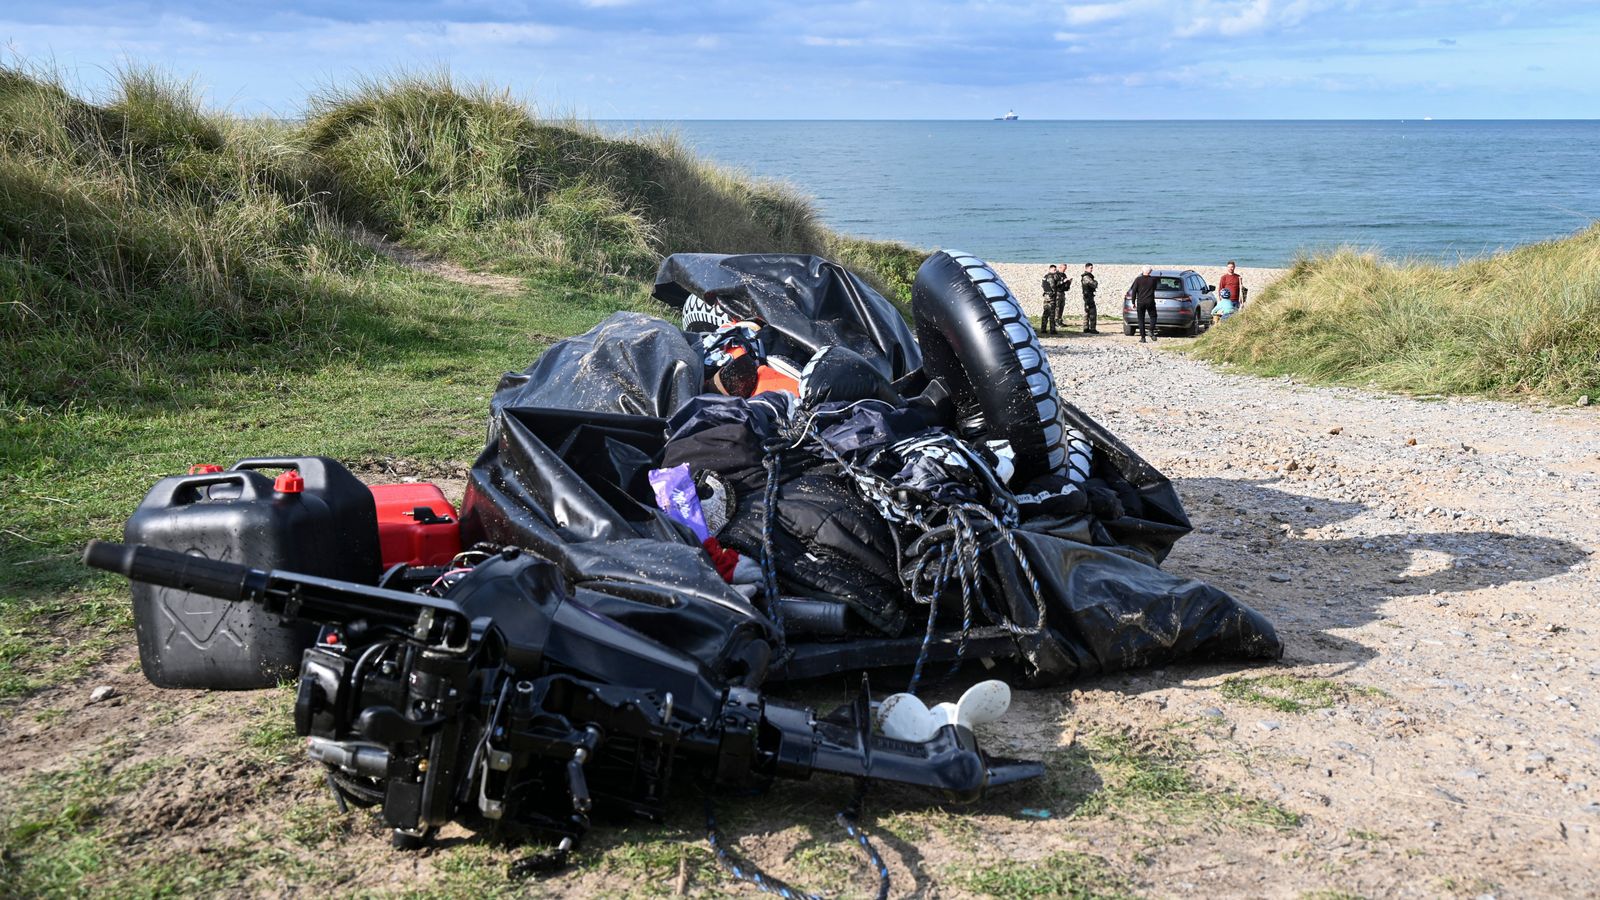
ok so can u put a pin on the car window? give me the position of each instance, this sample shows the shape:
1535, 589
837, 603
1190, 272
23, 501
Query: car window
1169, 283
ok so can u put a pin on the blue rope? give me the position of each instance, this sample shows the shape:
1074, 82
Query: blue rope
767, 884
847, 820
933, 608
752, 875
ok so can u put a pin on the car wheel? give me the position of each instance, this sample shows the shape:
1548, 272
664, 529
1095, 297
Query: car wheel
1127, 330
1193, 329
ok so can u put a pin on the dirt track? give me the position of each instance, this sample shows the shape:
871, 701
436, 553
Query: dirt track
1438, 603
1438, 551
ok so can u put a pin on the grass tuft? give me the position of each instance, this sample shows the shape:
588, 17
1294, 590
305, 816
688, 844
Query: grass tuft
1290, 693
1080, 876
1150, 777
1525, 322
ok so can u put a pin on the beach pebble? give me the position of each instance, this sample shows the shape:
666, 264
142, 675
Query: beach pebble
1268, 725
102, 693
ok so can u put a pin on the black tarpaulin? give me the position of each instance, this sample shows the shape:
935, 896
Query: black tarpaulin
630, 363
572, 440
567, 487
811, 302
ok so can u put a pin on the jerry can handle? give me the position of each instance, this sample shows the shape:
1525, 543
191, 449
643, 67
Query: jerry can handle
268, 462
185, 489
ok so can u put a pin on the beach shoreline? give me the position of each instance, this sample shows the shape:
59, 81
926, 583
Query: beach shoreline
1023, 278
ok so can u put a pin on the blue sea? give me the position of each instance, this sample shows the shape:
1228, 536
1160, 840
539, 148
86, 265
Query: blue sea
1185, 192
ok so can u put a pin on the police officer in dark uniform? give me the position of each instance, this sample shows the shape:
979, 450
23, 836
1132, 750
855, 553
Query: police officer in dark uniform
1091, 313
1063, 284
1054, 298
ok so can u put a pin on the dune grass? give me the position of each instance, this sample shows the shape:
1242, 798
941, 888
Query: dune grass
144, 234
1516, 324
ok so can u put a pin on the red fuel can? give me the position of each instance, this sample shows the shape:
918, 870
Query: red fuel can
416, 524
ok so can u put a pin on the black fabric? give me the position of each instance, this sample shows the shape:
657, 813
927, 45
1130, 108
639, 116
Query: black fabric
809, 301
1143, 289
1146, 311
726, 435
630, 363
621, 556
829, 544
1090, 593
839, 374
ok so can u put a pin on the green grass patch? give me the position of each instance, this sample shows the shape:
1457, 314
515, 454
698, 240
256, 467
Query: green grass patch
51, 825
1291, 693
649, 858
1149, 778
1525, 322
1080, 876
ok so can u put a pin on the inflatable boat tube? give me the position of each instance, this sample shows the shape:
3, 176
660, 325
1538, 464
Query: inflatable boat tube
701, 317
978, 341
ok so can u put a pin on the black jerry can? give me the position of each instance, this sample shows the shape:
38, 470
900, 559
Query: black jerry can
241, 516
355, 512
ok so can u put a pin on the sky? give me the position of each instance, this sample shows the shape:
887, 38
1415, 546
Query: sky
767, 59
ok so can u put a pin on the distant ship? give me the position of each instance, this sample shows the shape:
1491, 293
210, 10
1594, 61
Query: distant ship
1010, 116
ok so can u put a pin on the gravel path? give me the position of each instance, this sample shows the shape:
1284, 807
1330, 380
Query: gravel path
1438, 551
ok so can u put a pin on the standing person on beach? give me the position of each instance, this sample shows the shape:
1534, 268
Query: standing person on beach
1064, 284
1050, 317
1091, 313
1144, 302
1231, 283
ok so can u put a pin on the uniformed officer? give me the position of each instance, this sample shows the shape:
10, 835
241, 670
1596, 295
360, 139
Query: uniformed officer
1050, 317
1063, 284
1091, 313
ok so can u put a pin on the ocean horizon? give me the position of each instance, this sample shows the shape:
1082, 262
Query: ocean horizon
1261, 191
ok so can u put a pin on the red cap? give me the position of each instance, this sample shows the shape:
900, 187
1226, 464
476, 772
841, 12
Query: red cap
289, 483
204, 469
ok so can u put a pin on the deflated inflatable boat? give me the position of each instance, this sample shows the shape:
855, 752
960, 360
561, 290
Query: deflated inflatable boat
670, 516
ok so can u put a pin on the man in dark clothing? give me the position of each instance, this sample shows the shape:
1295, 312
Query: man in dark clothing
1050, 316
1063, 284
1091, 313
1144, 302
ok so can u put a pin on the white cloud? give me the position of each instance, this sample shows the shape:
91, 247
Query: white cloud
811, 40
1096, 13
1237, 18
477, 33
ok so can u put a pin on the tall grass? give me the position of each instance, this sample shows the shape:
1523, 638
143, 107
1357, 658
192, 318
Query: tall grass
144, 236
468, 170
142, 229
1521, 323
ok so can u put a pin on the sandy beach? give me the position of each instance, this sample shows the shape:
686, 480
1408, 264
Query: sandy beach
1024, 278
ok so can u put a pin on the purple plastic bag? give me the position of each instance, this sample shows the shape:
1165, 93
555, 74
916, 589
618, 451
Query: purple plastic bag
676, 495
